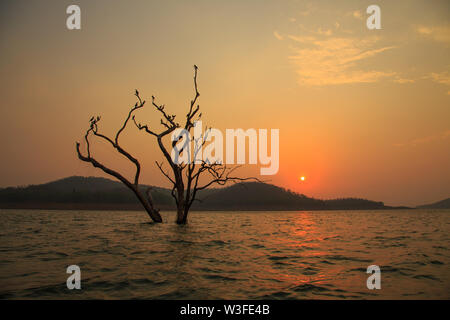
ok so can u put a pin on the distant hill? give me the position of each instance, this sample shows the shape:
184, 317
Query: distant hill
262, 196
104, 194
79, 193
443, 204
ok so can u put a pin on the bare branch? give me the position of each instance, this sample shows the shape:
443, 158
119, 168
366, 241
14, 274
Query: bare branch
184, 177
136, 106
93, 127
97, 164
193, 111
170, 118
163, 172
221, 176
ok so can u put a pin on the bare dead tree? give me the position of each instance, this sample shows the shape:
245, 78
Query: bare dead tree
145, 199
186, 177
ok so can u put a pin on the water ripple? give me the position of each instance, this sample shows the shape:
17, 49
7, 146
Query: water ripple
225, 255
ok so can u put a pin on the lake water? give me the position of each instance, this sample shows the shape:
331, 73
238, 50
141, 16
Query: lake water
225, 255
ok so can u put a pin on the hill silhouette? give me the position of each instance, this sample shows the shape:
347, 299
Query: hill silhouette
262, 196
443, 204
78, 193
100, 193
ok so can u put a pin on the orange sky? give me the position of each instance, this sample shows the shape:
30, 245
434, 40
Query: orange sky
361, 112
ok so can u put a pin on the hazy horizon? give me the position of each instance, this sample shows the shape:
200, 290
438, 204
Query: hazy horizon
216, 186
362, 113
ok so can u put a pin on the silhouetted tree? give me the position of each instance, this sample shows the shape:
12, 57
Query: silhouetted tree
184, 177
144, 199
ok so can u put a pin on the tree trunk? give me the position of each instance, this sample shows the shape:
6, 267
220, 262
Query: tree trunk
182, 213
181, 203
152, 212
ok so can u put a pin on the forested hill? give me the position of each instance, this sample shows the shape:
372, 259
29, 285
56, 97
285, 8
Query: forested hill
100, 193
443, 204
262, 196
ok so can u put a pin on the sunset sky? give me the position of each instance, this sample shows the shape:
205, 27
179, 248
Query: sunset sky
362, 113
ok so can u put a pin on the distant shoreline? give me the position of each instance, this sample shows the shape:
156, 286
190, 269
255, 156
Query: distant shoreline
94, 193
138, 207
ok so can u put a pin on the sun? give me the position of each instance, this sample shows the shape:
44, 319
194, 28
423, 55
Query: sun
302, 178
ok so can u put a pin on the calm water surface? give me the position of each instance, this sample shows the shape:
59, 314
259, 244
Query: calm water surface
225, 255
